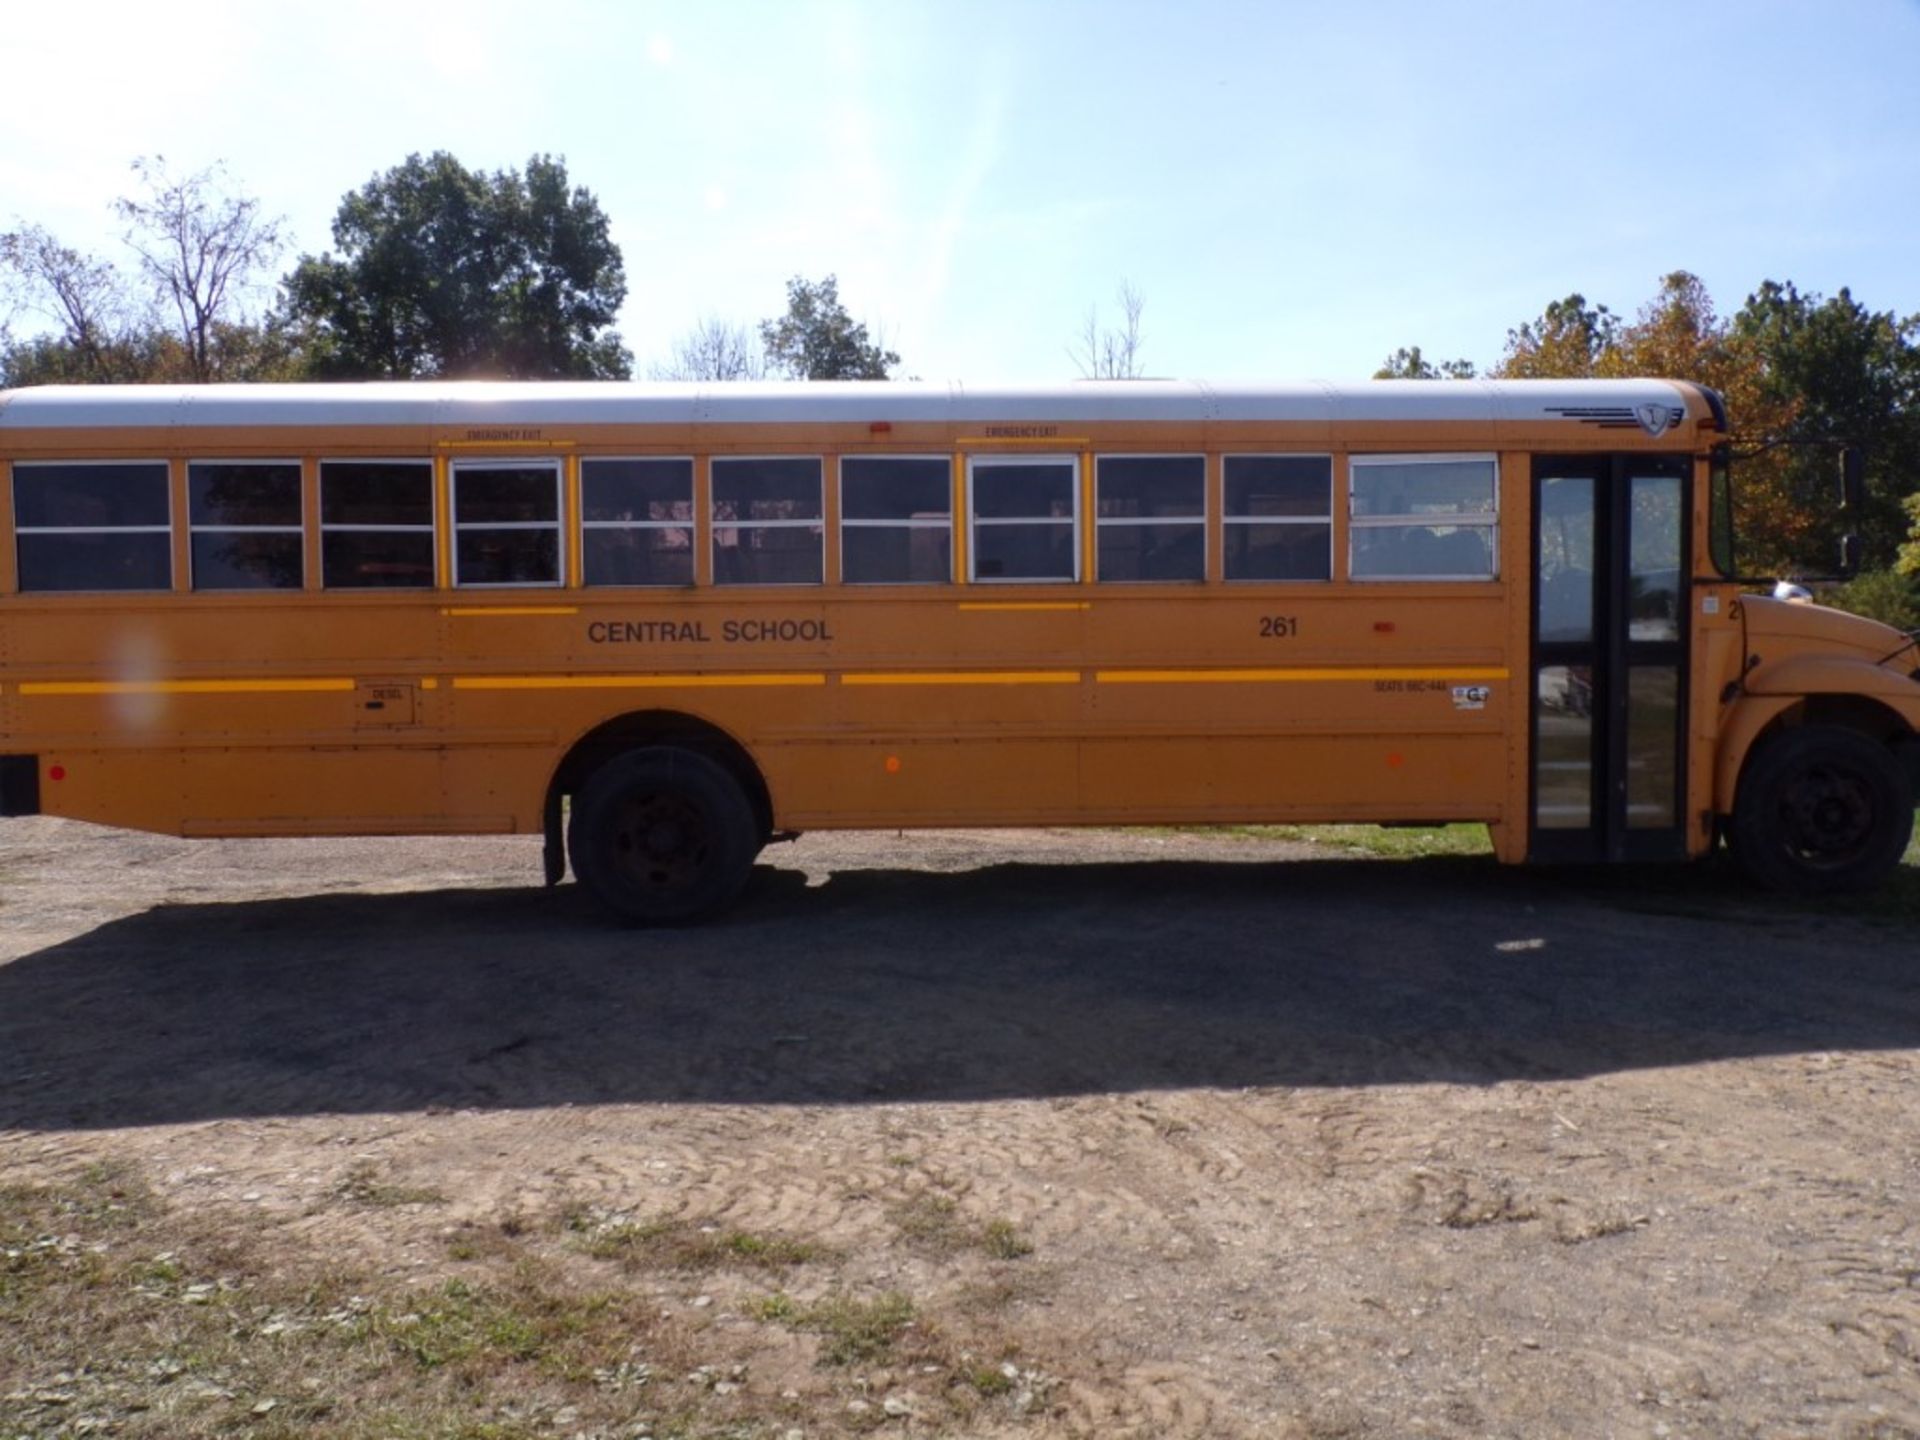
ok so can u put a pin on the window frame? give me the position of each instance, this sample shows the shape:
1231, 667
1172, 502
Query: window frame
1491, 524
714, 524
299, 528
840, 496
1078, 547
13, 519
691, 524
1141, 522
558, 525
431, 529
1227, 517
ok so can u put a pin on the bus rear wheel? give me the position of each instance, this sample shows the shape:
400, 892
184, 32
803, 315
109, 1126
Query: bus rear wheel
1821, 811
662, 836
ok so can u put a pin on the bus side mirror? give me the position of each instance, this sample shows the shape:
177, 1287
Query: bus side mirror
1849, 556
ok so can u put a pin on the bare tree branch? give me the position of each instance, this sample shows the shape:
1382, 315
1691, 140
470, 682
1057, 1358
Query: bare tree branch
1111, 354
200, 245
714, 350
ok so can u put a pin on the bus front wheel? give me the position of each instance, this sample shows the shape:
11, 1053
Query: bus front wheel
1821, 811
662, 836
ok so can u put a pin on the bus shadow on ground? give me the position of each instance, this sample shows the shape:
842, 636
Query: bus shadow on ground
907, 985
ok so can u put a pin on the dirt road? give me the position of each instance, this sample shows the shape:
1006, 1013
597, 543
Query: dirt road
1193, 1136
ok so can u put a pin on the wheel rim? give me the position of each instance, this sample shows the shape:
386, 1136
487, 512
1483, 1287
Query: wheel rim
1829, 815
660, 843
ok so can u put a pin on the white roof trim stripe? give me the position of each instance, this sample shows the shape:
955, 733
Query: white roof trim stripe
449, 404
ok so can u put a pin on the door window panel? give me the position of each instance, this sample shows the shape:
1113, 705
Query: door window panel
1566, 559
1563, 758
1653, 579
1653, 734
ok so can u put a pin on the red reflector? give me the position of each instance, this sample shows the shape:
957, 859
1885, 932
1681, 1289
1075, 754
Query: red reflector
880, 427
1384, 627
56, 772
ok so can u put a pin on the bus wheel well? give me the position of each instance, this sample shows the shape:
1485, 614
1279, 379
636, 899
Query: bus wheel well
1845, 712
644, 728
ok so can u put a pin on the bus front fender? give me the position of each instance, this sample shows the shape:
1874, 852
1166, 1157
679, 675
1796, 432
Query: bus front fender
1771, 690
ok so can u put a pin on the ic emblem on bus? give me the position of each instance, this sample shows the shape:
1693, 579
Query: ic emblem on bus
1471, 697
1656, 419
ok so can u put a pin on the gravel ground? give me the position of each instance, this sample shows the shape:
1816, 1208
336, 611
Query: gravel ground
1303, 1144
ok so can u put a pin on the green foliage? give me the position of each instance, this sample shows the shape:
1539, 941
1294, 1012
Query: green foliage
1843, 374
1407, 363
1883, 595
1569, 340
1908, 560
818, 340
450, 272
851, 1331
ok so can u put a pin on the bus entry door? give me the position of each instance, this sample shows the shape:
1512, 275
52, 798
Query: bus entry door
1609, 657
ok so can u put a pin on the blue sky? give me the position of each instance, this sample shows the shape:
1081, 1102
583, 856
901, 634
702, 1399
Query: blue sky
1295, 190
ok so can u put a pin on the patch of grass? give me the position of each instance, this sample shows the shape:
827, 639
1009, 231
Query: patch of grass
933, 1222
990, 1380
121, 1315
363, 1185
851, 1331
1002, 1241
677, 1245
1389, 842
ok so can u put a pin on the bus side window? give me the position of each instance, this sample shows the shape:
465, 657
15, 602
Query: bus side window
896, 521
93, 525
767, 521
1424, 517
1278, 519
636, 521
376, 524
244, 521
1150, 517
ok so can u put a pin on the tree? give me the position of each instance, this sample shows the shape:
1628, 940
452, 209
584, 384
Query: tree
714, 350
1111, 354
82, 295
199, 244
1831, 373
818, 340
1569, 340
1409, 364
450, 272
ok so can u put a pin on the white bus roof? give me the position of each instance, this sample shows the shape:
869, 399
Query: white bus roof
1614, 403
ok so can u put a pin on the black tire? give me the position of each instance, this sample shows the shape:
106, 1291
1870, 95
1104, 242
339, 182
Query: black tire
1821, 811
662, 836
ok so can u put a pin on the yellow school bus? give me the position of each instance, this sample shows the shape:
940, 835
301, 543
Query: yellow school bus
663, 625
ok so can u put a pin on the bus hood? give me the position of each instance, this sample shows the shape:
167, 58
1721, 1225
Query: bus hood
1787, 641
